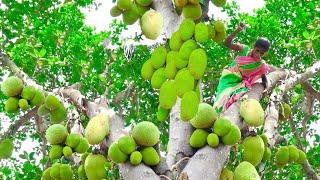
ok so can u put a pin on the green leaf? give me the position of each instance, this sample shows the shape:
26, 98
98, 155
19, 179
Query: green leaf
42, 52
306, 34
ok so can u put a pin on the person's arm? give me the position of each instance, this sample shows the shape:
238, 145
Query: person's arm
228, 41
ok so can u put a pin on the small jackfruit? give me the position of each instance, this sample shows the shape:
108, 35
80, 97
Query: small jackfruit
56, 134
213, 140
150, 156
55, 152
129, 17
12, 86
83, 146
302, 157
233, 136
147, 70
187, 48
201, 32
115, 11
219, 3
192, 11
282, 156
219, 36
124, 4
52, 102
158, 57
158, 78
6, 148
162, 114
252, 112
246, 171
46, 174
266, 154
97, 128
184, 82
12, 105
197, 63
265, 139
58, 115
226, 174
55, 171
28, 92
205, 116
175, 41
284, 112
43, 111
219, 26
115, 154
253, 149
146, 133
170, 68
23, 104
38, 98
151, 24
144, 2
67, 151
222, 126
127, 144
168, 94
186, 29
65, 172
96, 166
73, 140
198, 138
135, 158
189, 105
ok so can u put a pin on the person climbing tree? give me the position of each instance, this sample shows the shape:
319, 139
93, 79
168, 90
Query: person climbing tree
241, 73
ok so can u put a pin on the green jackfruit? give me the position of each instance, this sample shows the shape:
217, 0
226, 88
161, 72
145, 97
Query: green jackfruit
246, 171
198, 138
135, 158
252, 112
233, 136
124, 4
115, 154
222, 126
192, 11
146, 133
158, 57
55, 171
58, 115
28, 92
302, 157
219, 26
293, 153
84, 156
150, 156
180, 3
67, 151
52, 102
127, 144
170, 68
205, 116
253, 149
168, 94
12, 86
129, 17
284, 112
213, 140
197, 63
201, 32
65, 172
81, 171
55, 152
226, 174
162, 114
96, 166
189, 105
73, 140
219, 36
186, 29
187, 48
265, 139
46, 174
175, 41
158, 78
219, 3
43, 111
211, 31
38, 98
83, 146
282, 156
144, 2
184, 82
6, 148
97, 128
56, 134
151, 24
115, 11
12, 105
142, 9
147, 70
266, 154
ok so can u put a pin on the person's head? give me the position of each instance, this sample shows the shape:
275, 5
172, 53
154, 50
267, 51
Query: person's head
261, 46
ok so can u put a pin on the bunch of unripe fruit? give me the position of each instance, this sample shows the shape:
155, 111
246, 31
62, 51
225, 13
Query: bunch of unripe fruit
289, 154
58, 171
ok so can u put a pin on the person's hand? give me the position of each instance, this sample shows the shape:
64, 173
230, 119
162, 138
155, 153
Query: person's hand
241, 26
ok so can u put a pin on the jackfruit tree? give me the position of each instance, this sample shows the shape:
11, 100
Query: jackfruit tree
77, 103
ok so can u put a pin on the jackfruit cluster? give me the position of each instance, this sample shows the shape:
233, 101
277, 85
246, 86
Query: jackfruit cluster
190, 8
289, 154
53, 109
137, 147
217, 31
228, 132
284, 112
58, 171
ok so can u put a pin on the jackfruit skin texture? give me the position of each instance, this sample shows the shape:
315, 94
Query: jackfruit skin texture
252, 112
73, 140
198, 138
55, 152
115, 11
170, 68
12, 86
12, 105
221, 126
184, 82
129, 17
201, 32
253, 149
65, 172
205, 116
179, 62
38, 98
127, 144
55, 171
115, 154
67, 151
28, 92
186, 29
282, 156
96, 166
302, 157
213, 140
162, 114
97, 128
135, 158
6, 148
175, 41
158, 57
43, 111
266, 154
56, 134
211, 31
233, 136
285, 112
197, 63
147, 70
158, 78
124, 4
189, 105
150, 156
192, 11
58, 115
219, 3
151, 24
293, 153
226, 174
219, 36
168, 95
180, 3
23, 104
146, 133
246, 171
83, 146
52, 102
219, 26
187, 48
46, 174
144, 2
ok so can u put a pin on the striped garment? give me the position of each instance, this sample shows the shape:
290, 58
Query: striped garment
237, 78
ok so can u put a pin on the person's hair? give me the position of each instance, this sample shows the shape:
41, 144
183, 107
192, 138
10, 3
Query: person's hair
263, 43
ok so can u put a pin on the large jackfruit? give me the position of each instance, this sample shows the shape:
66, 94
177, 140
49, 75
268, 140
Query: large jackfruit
253, 149
221, 126
28, 92
158, 78
198, 138
151, 24
187, 48
127, 144
12, 105
56, 134
115, 154
201, 32
97, 128
252, 112
233, 136
146, 133
124, 4
150, 156
6, 148
96, 166
175, 41
168, 94
147, 70
189, 105
197, 63
246, 171
170, 68
184, 82
186, 29
205, 116
12, 86
192, 11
